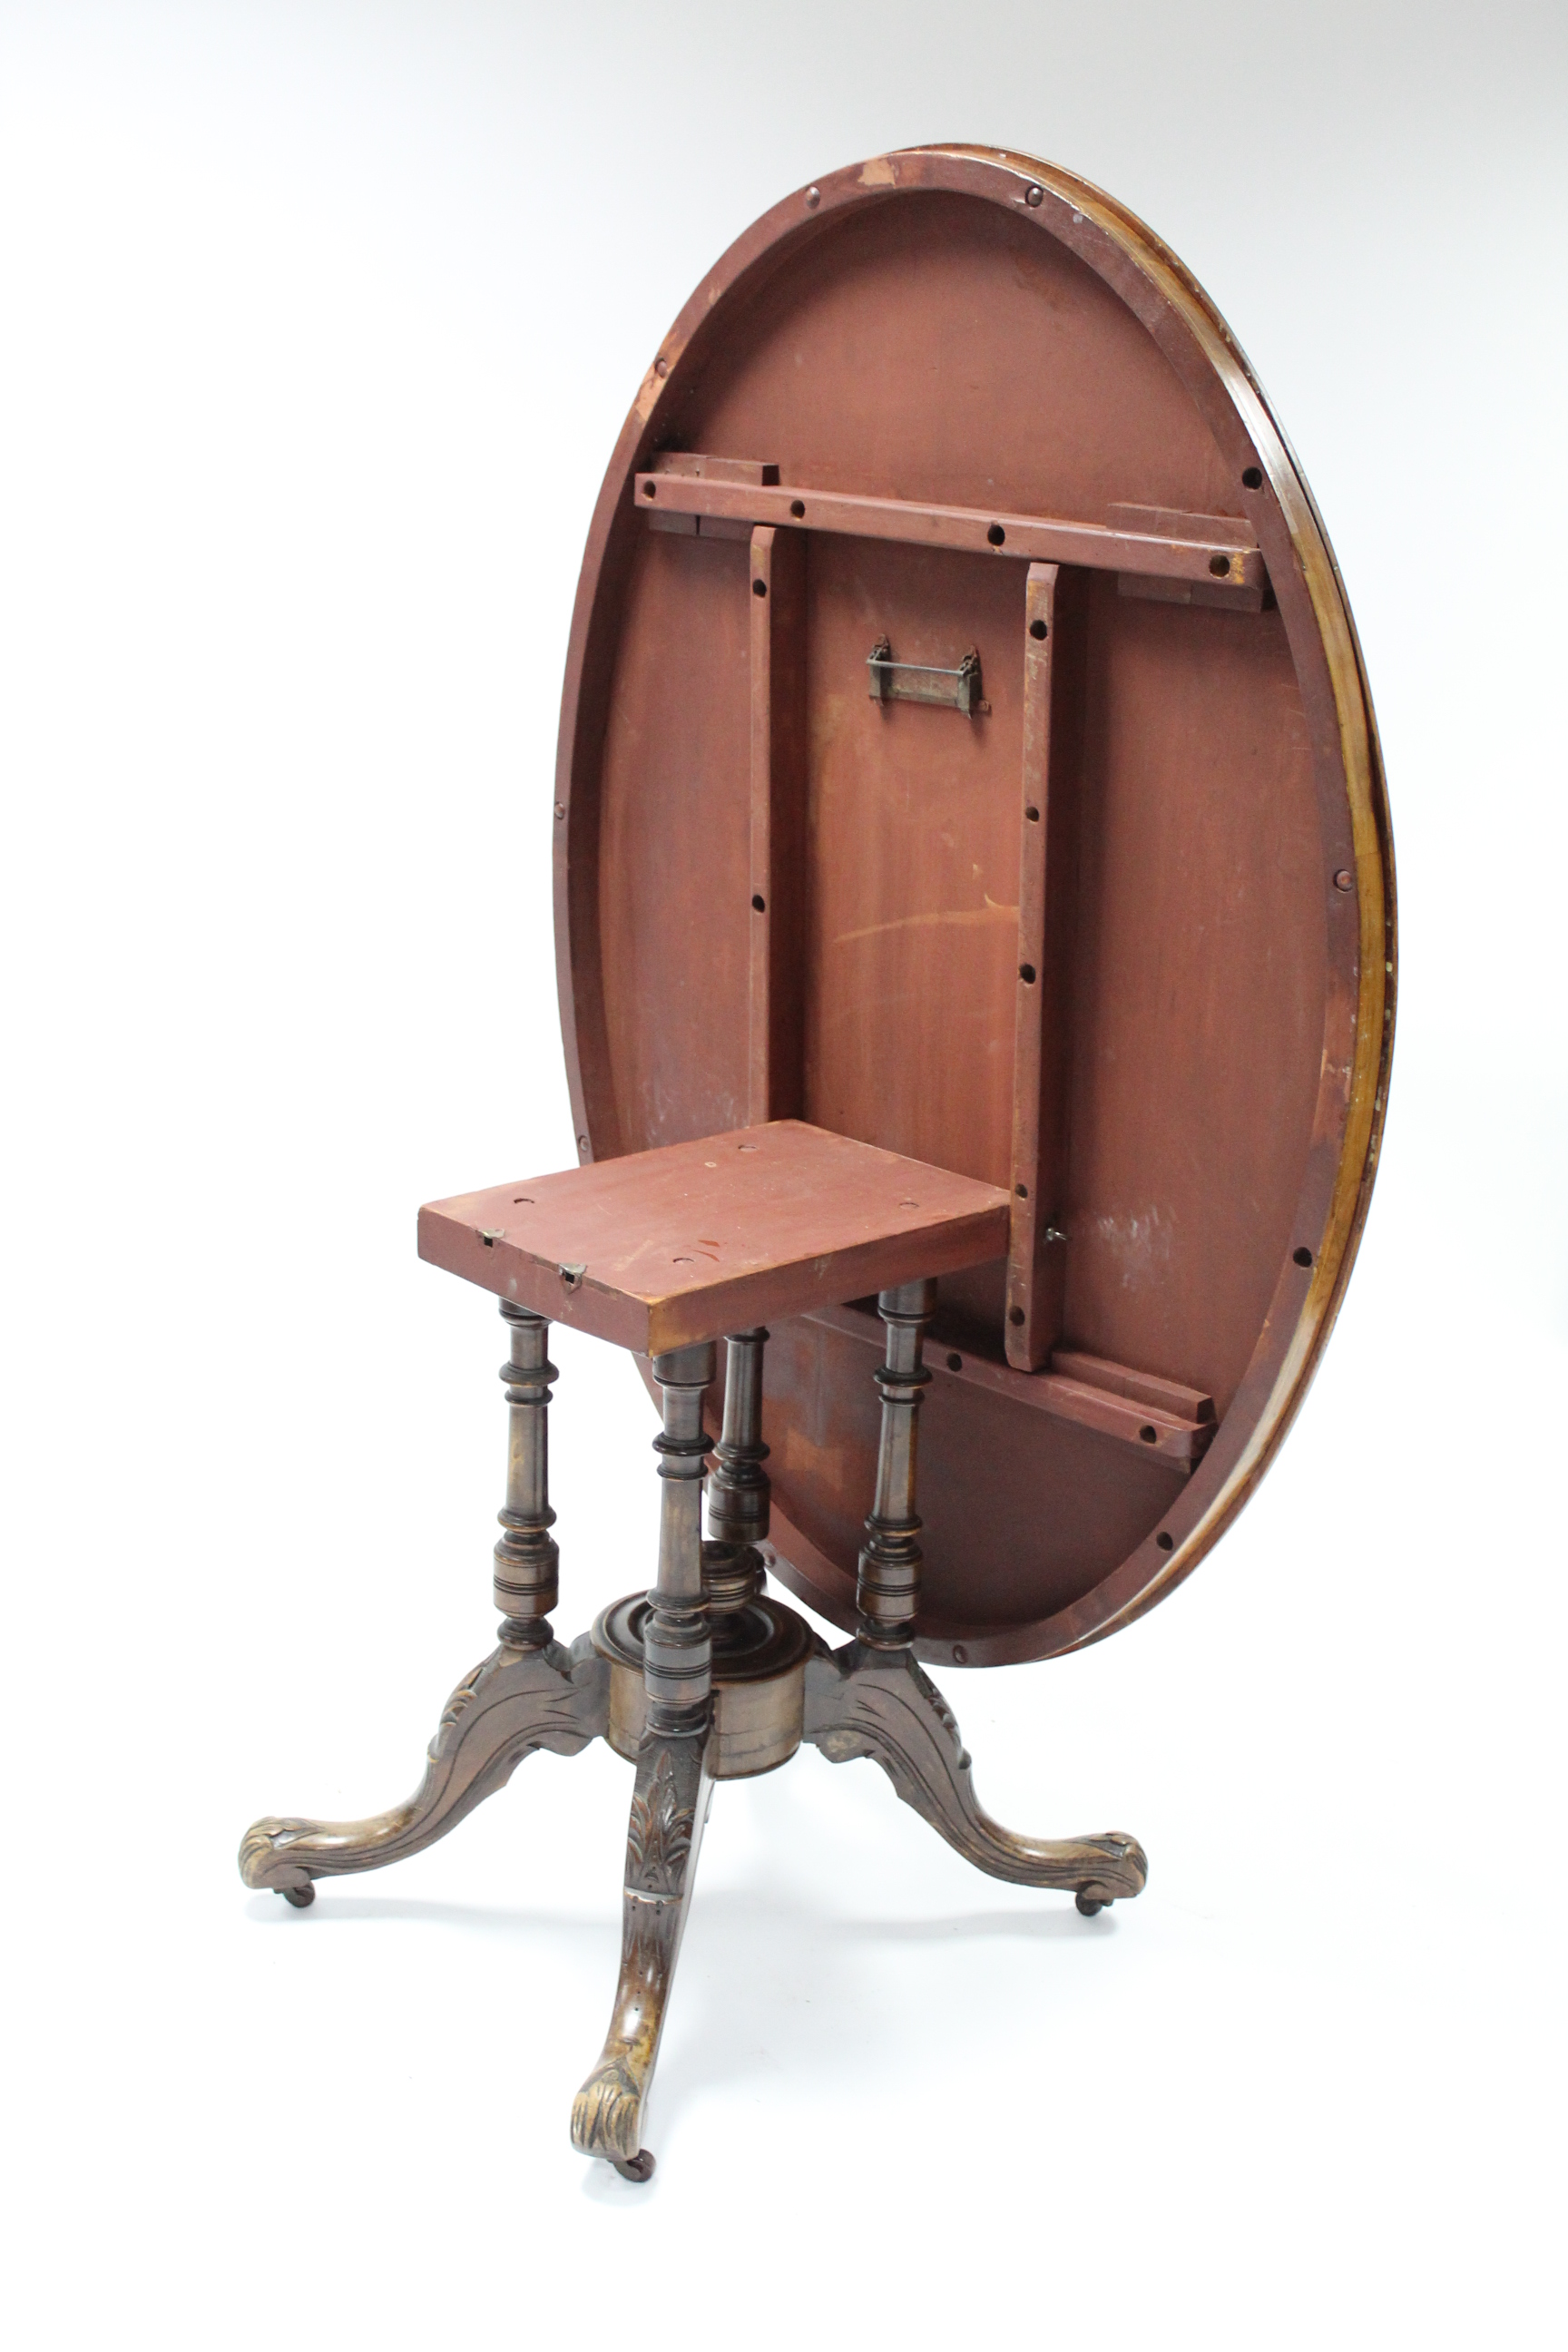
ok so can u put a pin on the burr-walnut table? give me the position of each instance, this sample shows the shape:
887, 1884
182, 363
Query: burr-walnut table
977, 955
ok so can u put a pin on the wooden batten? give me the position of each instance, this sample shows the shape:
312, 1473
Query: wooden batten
1034, 1282
1036, 1257
1217, 550
1160, 1418
775, 1014
691, 465
1142, 1388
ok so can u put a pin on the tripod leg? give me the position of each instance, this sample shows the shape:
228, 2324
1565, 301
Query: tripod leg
870, 1699
878, 1703
531, 1693
670, 1803
518, 1700
668, 1806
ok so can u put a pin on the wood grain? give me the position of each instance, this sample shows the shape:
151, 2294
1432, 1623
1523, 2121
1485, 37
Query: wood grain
659, 1250
963, 331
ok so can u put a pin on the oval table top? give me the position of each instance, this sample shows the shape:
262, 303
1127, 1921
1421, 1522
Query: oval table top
965, 748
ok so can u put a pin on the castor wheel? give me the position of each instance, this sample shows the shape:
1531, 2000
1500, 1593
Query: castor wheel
1089, 1906
301, 1897
640, 2168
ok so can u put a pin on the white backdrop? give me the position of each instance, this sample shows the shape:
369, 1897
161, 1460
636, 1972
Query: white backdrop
317, 323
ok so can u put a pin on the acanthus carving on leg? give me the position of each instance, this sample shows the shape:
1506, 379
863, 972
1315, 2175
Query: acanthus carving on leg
669, 1802
861, 1701
669, 1805
523, 1697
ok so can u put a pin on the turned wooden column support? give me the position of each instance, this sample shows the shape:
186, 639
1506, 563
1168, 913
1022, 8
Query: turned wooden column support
678, 1651
527, 1569
529, 1693
887, 1592
739, 1489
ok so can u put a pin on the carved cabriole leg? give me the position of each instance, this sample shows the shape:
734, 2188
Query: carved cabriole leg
518, 1699
530, 1692
870, 1699
877, 1703
669, 1802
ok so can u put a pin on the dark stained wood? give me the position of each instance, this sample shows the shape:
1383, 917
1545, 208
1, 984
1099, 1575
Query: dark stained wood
659, 1250
880, 1704
1228, 556
775, 1078
951, 330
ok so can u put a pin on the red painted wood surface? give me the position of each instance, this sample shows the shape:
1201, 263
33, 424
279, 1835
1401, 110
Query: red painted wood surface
658, 1249
951, 329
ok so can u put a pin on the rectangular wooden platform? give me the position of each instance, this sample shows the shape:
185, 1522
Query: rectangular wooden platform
659, 1249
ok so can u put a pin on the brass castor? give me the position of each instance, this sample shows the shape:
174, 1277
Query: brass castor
638, 2168
301, 1897
1089, 1907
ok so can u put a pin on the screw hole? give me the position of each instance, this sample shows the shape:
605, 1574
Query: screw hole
650, 490
797, 507
759, 587
1303, 1256
1027, 975
1220, 566
1165, 1542
1038, 629
1033, 814
996, 534
960, 1654
955, 1363
1022, 1191
759, 905
1252, 478
1014, 1315
1148, 1434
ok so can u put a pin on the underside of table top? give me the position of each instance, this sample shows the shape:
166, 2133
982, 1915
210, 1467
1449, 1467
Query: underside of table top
965, 748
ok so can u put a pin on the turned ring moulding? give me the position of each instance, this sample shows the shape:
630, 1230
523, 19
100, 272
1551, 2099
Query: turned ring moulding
1089, 897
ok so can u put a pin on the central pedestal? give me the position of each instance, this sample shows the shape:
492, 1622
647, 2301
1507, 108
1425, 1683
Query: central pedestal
760, 1651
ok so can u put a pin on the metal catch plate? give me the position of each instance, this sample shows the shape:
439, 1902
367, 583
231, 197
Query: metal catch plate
948, 690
